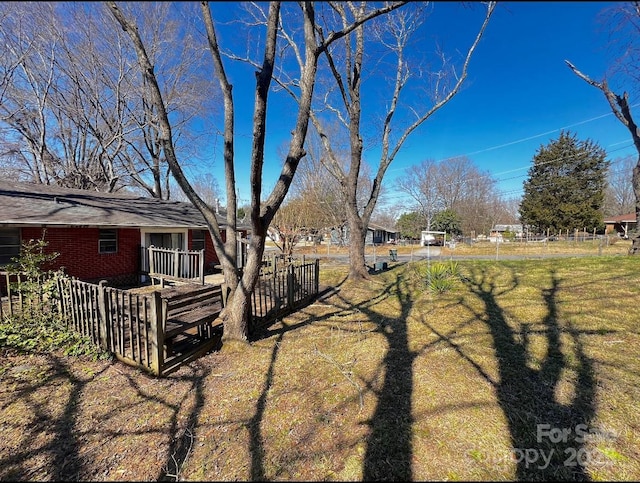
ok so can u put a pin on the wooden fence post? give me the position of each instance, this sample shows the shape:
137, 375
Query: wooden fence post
157, 333
60, 295
176, 263
290, 288
104, 321
20, 295
9, 295
152, 265
201, 266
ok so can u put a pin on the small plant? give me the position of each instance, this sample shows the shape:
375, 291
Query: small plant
38, 327
441, 277
33, 283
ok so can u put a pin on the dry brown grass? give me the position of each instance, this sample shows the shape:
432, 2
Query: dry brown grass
383, 380
614, 246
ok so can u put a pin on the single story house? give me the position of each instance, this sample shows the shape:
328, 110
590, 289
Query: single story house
99, 236
376, 234
621, 224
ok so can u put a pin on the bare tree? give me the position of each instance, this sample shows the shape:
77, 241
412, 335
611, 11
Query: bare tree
420, 183
619, 196
629, 15
30, 59
206, 185
74, 110
455, 184
295, 220
312, 44
347, 63
477, 201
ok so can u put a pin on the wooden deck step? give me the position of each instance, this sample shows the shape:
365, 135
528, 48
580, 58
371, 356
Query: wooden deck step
192, 318
181, 300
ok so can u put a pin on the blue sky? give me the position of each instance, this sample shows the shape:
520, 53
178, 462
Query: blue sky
520, 93
518, 96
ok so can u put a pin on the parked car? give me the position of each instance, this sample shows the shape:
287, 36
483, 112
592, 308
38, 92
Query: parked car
431, 240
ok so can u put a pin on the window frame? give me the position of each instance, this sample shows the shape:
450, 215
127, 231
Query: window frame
110, 240
8, 254
200, 241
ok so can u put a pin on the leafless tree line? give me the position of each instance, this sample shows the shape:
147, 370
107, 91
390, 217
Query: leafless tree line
74, 110
457, 184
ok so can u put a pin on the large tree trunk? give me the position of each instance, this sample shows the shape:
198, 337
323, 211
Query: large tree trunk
237, 313
357, 233
357, 236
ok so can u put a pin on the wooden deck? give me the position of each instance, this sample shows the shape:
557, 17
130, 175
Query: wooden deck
192, 326
161, 328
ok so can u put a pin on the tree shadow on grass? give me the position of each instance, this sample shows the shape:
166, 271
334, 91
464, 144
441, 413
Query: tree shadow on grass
389, 449
62, 451
64, 455
256, 443
182, 441
547, 436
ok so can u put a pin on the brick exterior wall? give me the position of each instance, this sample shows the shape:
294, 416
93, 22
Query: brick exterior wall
210, 255
78, 249
78, 254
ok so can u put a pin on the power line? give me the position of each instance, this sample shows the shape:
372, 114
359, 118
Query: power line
518, 190
543, 134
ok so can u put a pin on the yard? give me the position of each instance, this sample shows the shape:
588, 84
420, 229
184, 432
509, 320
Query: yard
524, 370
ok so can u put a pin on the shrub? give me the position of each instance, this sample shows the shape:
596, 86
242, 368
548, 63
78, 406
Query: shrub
441, 276
38, 327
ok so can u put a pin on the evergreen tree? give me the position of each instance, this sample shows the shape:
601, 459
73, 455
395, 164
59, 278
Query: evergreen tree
447, 220
566, 186
410, 225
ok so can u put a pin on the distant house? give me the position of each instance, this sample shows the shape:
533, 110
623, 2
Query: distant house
98, 235
376, 234
621, 224
498, 231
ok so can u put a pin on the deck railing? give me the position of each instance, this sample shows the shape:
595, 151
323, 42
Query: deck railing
140, 329
128, 324
187, 265
283, 287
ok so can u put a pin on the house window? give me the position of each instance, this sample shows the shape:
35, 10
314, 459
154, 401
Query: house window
108, 241
197, 243
9, 244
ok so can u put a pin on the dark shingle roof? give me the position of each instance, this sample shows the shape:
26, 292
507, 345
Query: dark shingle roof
36, 204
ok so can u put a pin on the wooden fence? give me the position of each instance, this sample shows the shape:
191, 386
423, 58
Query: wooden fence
186, 265
16, 298
158, 331
127, 324
164, 329
283, 287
